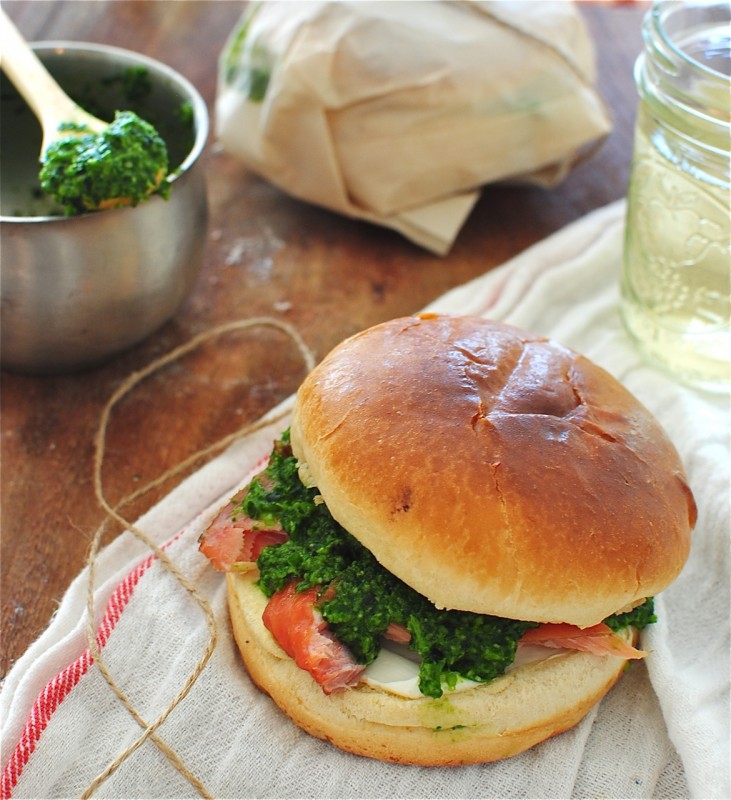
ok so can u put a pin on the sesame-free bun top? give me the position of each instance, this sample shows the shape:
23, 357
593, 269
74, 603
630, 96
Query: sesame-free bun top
494, 470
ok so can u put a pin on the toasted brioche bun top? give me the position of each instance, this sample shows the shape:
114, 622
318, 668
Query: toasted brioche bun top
493, 470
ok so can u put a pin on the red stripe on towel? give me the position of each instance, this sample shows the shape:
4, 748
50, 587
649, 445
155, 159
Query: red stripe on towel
62, 684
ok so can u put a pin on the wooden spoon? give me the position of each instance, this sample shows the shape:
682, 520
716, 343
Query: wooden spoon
60, 117
48, 101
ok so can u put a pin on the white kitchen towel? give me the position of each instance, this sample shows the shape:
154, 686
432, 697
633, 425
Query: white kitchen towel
663, 730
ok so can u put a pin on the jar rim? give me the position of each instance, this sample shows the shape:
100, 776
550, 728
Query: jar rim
661, 11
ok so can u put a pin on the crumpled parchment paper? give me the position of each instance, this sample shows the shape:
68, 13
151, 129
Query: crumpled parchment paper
398, 112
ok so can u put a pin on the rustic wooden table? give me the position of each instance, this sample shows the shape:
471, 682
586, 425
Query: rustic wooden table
267, 254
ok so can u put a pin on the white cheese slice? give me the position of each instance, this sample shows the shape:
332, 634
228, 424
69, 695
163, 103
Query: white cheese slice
396, 669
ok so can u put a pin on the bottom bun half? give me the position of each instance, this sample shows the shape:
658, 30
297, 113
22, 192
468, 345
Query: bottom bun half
492, 721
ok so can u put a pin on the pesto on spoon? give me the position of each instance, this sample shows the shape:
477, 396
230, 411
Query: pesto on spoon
86, 164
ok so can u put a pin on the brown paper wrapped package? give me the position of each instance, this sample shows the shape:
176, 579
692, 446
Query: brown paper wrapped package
398, 112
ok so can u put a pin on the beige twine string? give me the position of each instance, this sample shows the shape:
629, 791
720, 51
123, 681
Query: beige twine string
150, 729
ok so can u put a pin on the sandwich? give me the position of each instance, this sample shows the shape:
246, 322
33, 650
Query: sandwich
452, 549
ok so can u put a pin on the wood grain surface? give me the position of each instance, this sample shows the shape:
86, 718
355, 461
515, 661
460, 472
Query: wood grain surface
266, 254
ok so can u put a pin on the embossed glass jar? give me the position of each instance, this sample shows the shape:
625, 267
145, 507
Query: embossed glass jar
676, 278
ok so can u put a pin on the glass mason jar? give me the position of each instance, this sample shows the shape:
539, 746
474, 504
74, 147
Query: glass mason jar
676, 277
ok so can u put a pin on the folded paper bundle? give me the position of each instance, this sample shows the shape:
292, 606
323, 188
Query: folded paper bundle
397, 113
203, 728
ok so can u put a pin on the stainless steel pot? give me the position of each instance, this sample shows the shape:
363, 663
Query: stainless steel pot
76, 290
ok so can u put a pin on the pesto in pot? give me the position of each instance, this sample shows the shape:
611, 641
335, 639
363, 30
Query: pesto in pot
121, 166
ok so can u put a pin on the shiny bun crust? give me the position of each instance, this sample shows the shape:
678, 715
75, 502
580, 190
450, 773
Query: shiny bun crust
493, 721
493, 470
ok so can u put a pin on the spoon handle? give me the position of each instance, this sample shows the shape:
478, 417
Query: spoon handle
51, 105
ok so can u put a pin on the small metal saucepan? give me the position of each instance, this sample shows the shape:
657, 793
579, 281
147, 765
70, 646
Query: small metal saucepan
74, 291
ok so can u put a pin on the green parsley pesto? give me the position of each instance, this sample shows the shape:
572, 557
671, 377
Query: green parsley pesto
134, 83
367, 598
127, 161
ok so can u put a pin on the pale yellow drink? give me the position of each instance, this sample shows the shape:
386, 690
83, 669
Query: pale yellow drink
676, 281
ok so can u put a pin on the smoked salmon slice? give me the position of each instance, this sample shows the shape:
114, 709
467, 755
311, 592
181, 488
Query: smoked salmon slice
297, 625
232, 538
397, 633
599, 639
